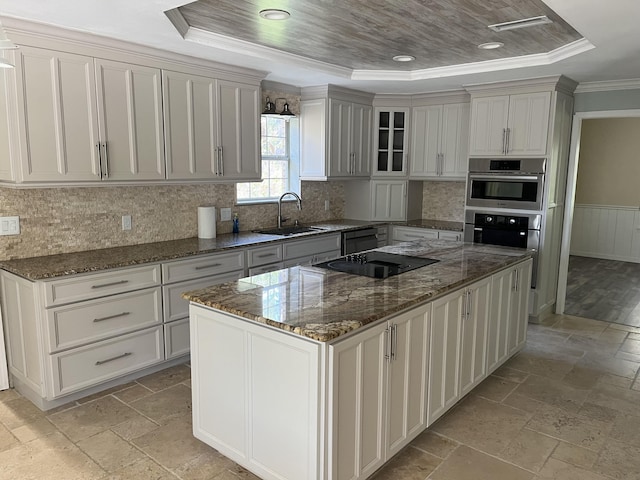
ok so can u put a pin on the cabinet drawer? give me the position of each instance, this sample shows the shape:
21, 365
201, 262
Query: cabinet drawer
303, 248
85, 287
176, 338
175, 307
94, 320
446, 235
202, 266
264, 255
272, 267
90, 365
403, 234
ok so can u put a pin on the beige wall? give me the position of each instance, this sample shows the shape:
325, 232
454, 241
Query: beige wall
443, 201
609, 164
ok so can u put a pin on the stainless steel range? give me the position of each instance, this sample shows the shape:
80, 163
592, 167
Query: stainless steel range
376, 264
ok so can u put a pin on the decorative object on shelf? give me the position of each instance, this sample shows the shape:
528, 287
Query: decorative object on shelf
270, 108
5, 44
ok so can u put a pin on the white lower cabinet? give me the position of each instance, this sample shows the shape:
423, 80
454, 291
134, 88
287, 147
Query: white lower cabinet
345, 407
89, 365
509, 313
444, 354
377, 382
473, 350
257, 395
410, 234
458, 348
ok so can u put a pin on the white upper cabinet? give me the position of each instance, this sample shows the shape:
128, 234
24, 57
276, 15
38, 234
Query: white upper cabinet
189, 125
510, 125
57, 108
78, 115
238, 131
440, 135
130, 121
211, 128
391, 141
335, 139
360, 140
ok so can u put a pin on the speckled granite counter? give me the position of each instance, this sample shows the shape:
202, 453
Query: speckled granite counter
434, 224
322, 305
51, 266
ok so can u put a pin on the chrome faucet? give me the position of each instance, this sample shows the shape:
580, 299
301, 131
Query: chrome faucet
280, 219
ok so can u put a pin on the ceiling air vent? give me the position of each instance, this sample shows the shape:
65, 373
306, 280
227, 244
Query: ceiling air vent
524, 23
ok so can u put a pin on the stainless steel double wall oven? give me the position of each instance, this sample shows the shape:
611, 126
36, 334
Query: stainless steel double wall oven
504, 203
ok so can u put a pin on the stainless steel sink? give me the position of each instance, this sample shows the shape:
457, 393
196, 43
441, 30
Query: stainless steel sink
284, 231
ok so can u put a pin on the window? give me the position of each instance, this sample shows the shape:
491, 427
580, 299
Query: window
279, 161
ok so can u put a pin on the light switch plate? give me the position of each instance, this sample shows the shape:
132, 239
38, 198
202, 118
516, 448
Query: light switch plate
9, 225
126, 222
225, 214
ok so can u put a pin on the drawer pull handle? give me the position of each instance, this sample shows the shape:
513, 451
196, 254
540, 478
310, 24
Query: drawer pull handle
110, 317
211, 265
265, 255
121, 282
102, 362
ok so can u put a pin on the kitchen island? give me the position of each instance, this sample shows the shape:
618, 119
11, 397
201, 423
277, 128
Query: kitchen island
307, 373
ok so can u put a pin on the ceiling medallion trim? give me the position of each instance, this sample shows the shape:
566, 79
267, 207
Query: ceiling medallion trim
561, 53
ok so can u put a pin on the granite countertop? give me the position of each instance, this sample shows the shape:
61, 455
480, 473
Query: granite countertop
322, 305
52, 266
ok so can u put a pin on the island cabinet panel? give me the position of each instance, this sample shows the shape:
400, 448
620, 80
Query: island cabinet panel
377, 382
473, 355
509, 313
520, 307
406, 394
357, 386
444, 354
256, 395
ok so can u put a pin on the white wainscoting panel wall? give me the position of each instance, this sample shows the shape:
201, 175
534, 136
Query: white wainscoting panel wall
606, 231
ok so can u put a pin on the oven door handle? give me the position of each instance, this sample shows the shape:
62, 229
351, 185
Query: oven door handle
505, 177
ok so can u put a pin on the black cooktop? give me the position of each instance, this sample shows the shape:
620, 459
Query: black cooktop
376, 264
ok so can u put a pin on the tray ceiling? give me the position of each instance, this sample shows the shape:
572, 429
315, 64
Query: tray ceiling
366, 34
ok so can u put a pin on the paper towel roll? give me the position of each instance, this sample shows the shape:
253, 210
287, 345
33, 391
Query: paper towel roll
207, 221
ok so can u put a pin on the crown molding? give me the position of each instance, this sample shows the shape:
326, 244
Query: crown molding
41, 35
280, 87
534, 60
608, 86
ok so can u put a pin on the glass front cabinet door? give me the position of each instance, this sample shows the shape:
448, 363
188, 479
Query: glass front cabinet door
391, 142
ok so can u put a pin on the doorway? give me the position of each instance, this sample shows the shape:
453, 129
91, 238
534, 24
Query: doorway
573, 212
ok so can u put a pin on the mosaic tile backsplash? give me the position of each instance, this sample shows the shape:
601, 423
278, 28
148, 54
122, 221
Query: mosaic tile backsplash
443, 200
63, 220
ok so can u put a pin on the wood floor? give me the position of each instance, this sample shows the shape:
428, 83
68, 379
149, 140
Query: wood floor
605, 290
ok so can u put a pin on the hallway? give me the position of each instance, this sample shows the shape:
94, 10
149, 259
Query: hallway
606, 290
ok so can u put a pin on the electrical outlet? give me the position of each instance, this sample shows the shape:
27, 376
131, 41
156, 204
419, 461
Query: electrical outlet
326, 205
126, 222
9, 225
225, 214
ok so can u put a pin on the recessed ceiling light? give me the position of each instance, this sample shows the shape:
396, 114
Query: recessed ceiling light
274, 14
404, 58
491, 45
525, 22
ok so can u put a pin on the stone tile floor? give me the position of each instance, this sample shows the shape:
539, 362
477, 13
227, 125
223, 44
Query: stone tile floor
565, 408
